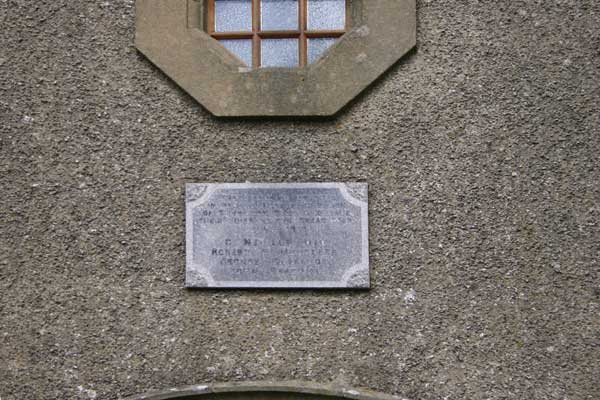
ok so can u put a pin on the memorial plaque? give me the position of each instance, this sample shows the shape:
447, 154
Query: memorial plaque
271, 235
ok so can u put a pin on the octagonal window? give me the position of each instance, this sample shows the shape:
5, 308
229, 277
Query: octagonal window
277, 33
202, 44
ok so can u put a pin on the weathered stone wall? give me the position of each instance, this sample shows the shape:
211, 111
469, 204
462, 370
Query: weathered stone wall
481, 149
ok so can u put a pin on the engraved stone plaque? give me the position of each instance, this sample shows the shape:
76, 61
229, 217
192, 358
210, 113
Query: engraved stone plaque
277, 235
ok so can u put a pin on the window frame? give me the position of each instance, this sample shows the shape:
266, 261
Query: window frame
303, 34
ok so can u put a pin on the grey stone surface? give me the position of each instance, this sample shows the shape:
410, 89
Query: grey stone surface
277, 235
481, 153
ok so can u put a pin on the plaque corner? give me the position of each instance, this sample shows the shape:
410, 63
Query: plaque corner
195, 279
360, 279
358, 191
195, 191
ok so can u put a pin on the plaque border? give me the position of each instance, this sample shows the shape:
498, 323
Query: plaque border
357, 277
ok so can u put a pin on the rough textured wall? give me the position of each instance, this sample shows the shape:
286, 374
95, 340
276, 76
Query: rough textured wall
482, 154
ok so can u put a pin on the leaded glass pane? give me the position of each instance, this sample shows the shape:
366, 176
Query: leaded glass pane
242, 48
279, 52
233, 15
317, 47
279, 15
326, 14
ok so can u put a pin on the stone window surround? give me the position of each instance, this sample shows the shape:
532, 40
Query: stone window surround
171, 34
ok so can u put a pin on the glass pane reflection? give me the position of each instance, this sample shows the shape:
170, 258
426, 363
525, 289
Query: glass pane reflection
317, 47
242, 48
233, 15
278, 15
279, 52
326, 14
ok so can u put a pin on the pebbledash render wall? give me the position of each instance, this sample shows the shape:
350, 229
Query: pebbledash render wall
481, 150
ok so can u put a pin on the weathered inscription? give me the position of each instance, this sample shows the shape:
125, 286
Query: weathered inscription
309, 235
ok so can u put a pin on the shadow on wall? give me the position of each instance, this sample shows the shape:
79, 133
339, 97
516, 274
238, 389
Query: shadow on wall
265, 391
